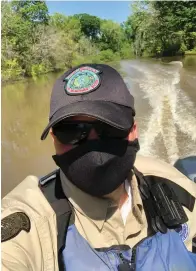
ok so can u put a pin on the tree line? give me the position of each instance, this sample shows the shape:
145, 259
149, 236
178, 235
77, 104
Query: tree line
34, 42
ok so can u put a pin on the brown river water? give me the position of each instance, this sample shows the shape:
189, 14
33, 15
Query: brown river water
165, 101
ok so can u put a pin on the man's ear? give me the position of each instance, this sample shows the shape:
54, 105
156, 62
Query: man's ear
54, 138
133, 133
52, 135
59, 147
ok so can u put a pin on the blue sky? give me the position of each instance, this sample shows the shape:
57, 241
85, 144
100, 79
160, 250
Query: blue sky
115, 10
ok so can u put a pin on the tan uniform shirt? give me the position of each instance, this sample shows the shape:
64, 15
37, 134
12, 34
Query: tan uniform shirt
96, 219
100, 222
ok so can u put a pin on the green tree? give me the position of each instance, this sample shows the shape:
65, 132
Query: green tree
162, 27
140, 28
111, 36
14, 38
179, 17
32, 11
90, 25
58, 21
70, 24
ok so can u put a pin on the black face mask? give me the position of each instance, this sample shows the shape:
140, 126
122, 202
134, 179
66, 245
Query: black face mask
98, 167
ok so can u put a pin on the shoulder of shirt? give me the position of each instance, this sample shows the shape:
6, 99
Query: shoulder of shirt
156, 167
27, 201
27, 197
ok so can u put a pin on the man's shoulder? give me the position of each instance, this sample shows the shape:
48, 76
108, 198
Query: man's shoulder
28, 227
26, 196
157, 167
148, 165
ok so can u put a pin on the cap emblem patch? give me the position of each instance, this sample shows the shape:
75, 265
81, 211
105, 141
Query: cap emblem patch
81, 81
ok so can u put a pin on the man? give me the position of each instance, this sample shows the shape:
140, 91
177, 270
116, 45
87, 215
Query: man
104, 209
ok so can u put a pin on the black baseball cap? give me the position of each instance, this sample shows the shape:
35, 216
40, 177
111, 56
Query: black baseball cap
94, 90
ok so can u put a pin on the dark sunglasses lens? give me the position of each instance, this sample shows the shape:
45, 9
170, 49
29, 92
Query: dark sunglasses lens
105, 131
71, 133
74, 133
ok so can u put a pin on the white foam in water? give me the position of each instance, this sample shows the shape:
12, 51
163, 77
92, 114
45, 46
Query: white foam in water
171, 108
179, 63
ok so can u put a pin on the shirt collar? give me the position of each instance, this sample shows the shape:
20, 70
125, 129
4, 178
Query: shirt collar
136, 198
93, 207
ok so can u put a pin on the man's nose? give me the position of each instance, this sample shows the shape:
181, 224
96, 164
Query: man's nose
93, 134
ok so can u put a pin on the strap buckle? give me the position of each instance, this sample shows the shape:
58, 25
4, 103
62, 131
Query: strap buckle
162, 206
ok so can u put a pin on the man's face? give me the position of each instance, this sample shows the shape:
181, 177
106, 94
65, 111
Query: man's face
62, 148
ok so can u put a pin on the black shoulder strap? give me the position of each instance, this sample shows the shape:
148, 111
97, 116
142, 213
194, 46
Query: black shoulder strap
51, 187
146, 183
194, 245
185, 198
163, 201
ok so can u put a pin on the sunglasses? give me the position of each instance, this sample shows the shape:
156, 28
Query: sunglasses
74, 132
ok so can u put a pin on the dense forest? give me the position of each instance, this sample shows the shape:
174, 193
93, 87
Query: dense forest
34, 42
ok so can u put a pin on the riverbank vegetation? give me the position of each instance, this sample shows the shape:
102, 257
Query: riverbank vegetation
34, 42
162, 28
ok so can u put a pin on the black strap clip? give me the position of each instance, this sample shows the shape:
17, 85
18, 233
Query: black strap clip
162, 206
168, 205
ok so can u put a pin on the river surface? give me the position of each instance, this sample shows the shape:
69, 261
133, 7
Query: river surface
165, 102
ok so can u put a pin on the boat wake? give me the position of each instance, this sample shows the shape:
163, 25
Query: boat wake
170, 129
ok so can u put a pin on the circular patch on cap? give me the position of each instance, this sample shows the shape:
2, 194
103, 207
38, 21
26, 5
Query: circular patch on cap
183, 231
81, 81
